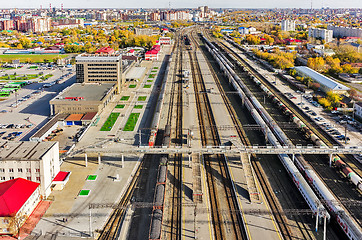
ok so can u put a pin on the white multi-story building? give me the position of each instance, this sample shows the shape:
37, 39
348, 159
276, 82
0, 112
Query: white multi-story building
18, 198
33, 161
339, 32
288, 25
324, 34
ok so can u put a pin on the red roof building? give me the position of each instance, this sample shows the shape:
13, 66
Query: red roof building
151, 55
14, 194
106, 50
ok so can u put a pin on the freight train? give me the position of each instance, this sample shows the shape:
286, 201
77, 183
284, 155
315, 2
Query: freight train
158, 201
351, 229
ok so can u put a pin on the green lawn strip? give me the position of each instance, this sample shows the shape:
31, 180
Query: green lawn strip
91, 177
141, 98
153, 71
120, 106
151, 75
46, 76
124, 98
147, 86
138, 106
36, 58
107, 126
131, 122
132, 86
149, 80
19, 77
155, 67
84, 192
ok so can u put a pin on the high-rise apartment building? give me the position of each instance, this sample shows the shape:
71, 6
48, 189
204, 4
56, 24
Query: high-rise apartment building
288, 25
324, 34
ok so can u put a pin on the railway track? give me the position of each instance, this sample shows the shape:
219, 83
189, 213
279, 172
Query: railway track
319, 164
325, 137
226, 224
175, 216
280, 218
114, 223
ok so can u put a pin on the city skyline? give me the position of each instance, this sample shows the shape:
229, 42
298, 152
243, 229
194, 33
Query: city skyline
183, 4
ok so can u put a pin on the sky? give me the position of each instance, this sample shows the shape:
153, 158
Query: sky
181, 3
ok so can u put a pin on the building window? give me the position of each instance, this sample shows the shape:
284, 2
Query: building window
38, 179
2, 170
20, 170
28, 170
5, 221
11, 178
2, 178
11, 169
37, 170
28, 178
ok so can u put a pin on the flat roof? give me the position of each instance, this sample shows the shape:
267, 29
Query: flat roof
89, 116
84, 92
23, 150
74, 117
326, 81
61, 176
114, 57
49, 124
135, 73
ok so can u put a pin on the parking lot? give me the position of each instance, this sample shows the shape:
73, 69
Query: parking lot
26, 110
339, 125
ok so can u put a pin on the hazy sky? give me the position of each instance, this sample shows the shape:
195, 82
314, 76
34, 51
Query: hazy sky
181, 3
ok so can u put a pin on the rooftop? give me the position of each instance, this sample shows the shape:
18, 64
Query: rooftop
24, 150
13, 194
79, 92
326, 81
85, 57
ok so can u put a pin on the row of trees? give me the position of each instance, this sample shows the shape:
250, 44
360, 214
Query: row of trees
277, 58
330, 65
332, 100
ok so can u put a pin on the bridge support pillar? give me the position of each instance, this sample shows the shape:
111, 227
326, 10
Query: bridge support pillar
122, 158
316, 223
99, 158
325, 228
86, 160
330, 159
189, 159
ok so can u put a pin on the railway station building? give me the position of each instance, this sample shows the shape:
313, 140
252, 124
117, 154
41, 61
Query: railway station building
33, 161
100, 68
82, 98
326, 84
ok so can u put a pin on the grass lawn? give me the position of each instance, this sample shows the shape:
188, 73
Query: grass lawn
151, 75
107, 126
138, 106
153, 71
124, 98
91, 177
132, 86
120, 106
155, 67
46, 76
149, 80
36, 58
19, 77
84, 193
141, 98
147, 86
131, 122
